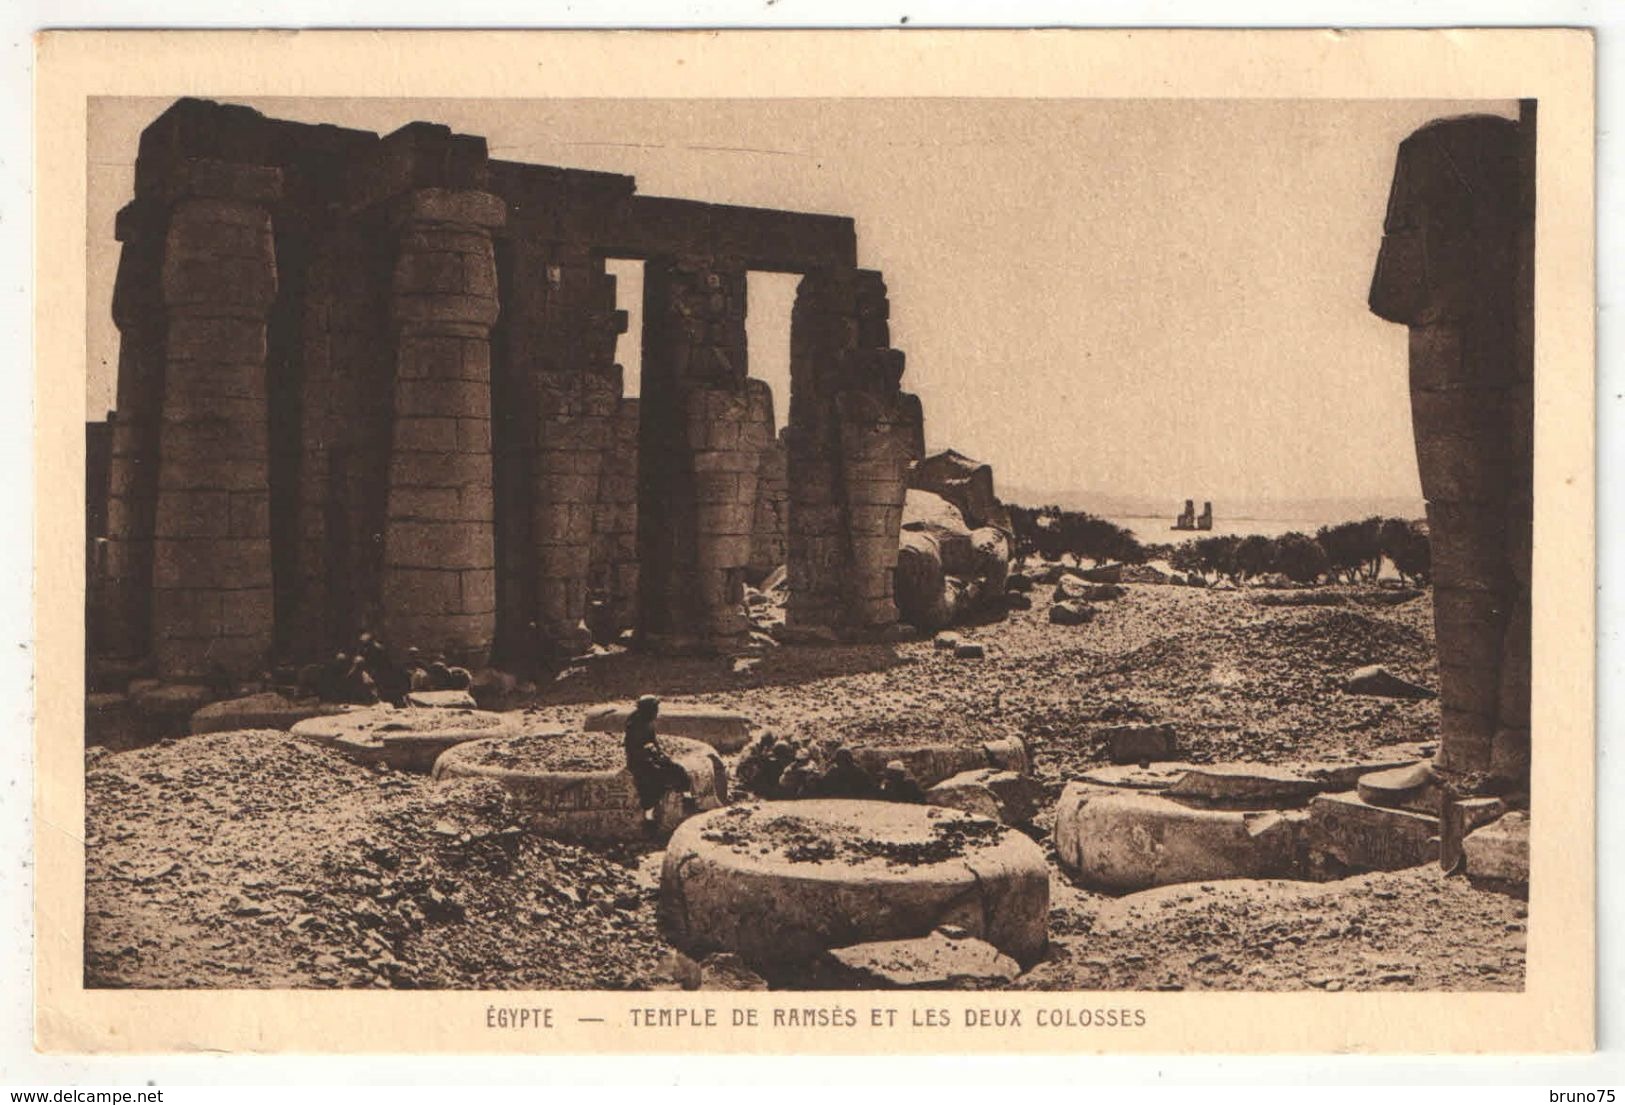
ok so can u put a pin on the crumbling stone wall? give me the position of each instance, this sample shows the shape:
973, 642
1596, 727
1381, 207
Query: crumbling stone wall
1456, 267
370, 383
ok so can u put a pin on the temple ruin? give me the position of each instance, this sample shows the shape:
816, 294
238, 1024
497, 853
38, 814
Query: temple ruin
370, 382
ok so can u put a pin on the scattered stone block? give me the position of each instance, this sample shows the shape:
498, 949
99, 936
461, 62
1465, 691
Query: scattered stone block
1500, 849
970, 650
1007, 754
945, 960
966, 792
1071, 613
409, 739
442, 700
1019, 795
1135, 840
1372, 838
260, 711
1480, 811
780, 883
1073, 589
1413, 787
722, 971
1374, 679
1138, 744
724, 730
1105, 573
1018, 583
1345, 775
1017, 600
1008, 797
945, 642
1152, 776
930, 764
1240, 784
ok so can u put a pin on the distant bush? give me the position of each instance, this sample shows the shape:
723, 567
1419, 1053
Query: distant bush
1300, 558
1052, 533
1255, 556
1407, 547
1353, 549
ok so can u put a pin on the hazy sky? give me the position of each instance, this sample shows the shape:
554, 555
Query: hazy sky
1161, 298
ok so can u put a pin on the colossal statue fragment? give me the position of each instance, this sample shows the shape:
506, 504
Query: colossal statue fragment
1456, 266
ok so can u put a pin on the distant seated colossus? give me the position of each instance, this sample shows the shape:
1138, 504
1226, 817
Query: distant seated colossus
369, 384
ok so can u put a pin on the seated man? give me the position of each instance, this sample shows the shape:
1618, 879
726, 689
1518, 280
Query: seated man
846, 779
654, 773
897, 785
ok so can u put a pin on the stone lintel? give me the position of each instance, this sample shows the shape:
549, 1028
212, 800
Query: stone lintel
444, 205
207, 178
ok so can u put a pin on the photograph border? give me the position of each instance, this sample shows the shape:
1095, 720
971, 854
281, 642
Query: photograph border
1555, 1011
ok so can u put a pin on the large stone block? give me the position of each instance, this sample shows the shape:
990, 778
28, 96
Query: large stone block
1499, 850
948, 959
1368, 837
1131, 840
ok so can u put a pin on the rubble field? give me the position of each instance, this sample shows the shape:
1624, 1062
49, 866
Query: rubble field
254, 859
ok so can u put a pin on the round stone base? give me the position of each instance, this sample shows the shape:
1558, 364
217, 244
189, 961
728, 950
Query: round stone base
410, 739
779, 883
567, 798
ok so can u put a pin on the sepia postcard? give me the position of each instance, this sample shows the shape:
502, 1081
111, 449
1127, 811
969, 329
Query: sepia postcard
846, 541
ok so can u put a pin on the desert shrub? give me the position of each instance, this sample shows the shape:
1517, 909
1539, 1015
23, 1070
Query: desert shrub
1353, 549
1407, 547
1300, 558
1254, 556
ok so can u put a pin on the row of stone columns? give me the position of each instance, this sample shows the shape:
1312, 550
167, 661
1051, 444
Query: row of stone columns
396, 511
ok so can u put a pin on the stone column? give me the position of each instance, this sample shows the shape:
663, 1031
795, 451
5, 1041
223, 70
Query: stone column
121, 602
853, 433
348, 361
212, 602
438, 589
705, 424
578, 389
614, 571
1455, 267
